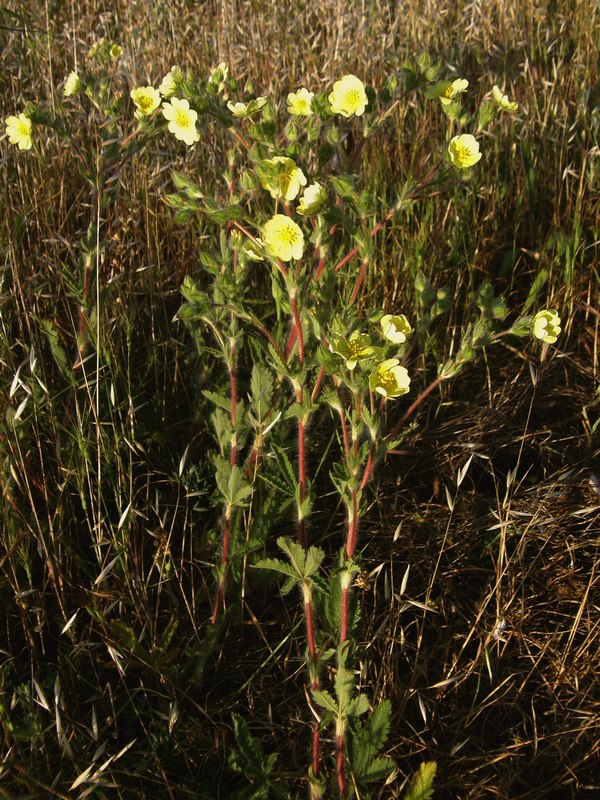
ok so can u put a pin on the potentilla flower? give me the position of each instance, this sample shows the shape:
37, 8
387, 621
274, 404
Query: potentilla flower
313, 199
146, 99
72, 84
282, 178
242, 110
116, 51
348, 96
182, 120
283, 238
356, 348
464, 151
396, 328
168, 85
19, 130
503, 102
389, 379
447, 91
298, 103
546, 325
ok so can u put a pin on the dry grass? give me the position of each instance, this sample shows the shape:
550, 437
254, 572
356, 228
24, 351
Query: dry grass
490, 653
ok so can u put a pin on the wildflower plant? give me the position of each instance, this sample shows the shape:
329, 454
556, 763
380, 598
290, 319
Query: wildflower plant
292, 220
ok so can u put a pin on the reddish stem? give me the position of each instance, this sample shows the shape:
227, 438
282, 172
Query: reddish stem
310, 635
415, 405
344, 625
317, 386
298, 328
341, 778
301, 475
359, 281
316, 749
352, 527
368, 469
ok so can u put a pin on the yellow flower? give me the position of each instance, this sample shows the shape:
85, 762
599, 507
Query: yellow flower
72, 84
546, 326
312, 200
357, 348
283, 238
447, 91
503, 102
298, 103
348, 96
389, 379
282, 178
168, 85
146, 99
182, 120
242, 110
396, 329
464, 151
18, 130
116, 51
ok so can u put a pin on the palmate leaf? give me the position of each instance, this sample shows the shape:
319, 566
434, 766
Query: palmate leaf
306, 562
421, 786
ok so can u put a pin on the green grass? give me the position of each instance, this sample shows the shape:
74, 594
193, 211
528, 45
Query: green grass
111, 522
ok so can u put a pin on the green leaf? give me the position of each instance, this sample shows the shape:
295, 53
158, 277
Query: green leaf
286, 469
359, 705
378, 769
325, 700
277, 565
344, 686
421, 786
378, 725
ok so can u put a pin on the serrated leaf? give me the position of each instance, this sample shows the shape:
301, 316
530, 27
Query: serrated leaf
219, 400
421, 786
249, 749
378, 725
378, 769
286, 468
344, 685
276, 565
325, 700
359, 705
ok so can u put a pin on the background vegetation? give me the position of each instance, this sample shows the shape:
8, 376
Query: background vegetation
118, 676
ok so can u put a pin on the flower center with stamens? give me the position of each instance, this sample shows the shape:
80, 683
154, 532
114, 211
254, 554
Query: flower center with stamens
182, 119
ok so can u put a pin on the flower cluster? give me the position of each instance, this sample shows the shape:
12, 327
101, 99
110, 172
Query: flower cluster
388, 377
